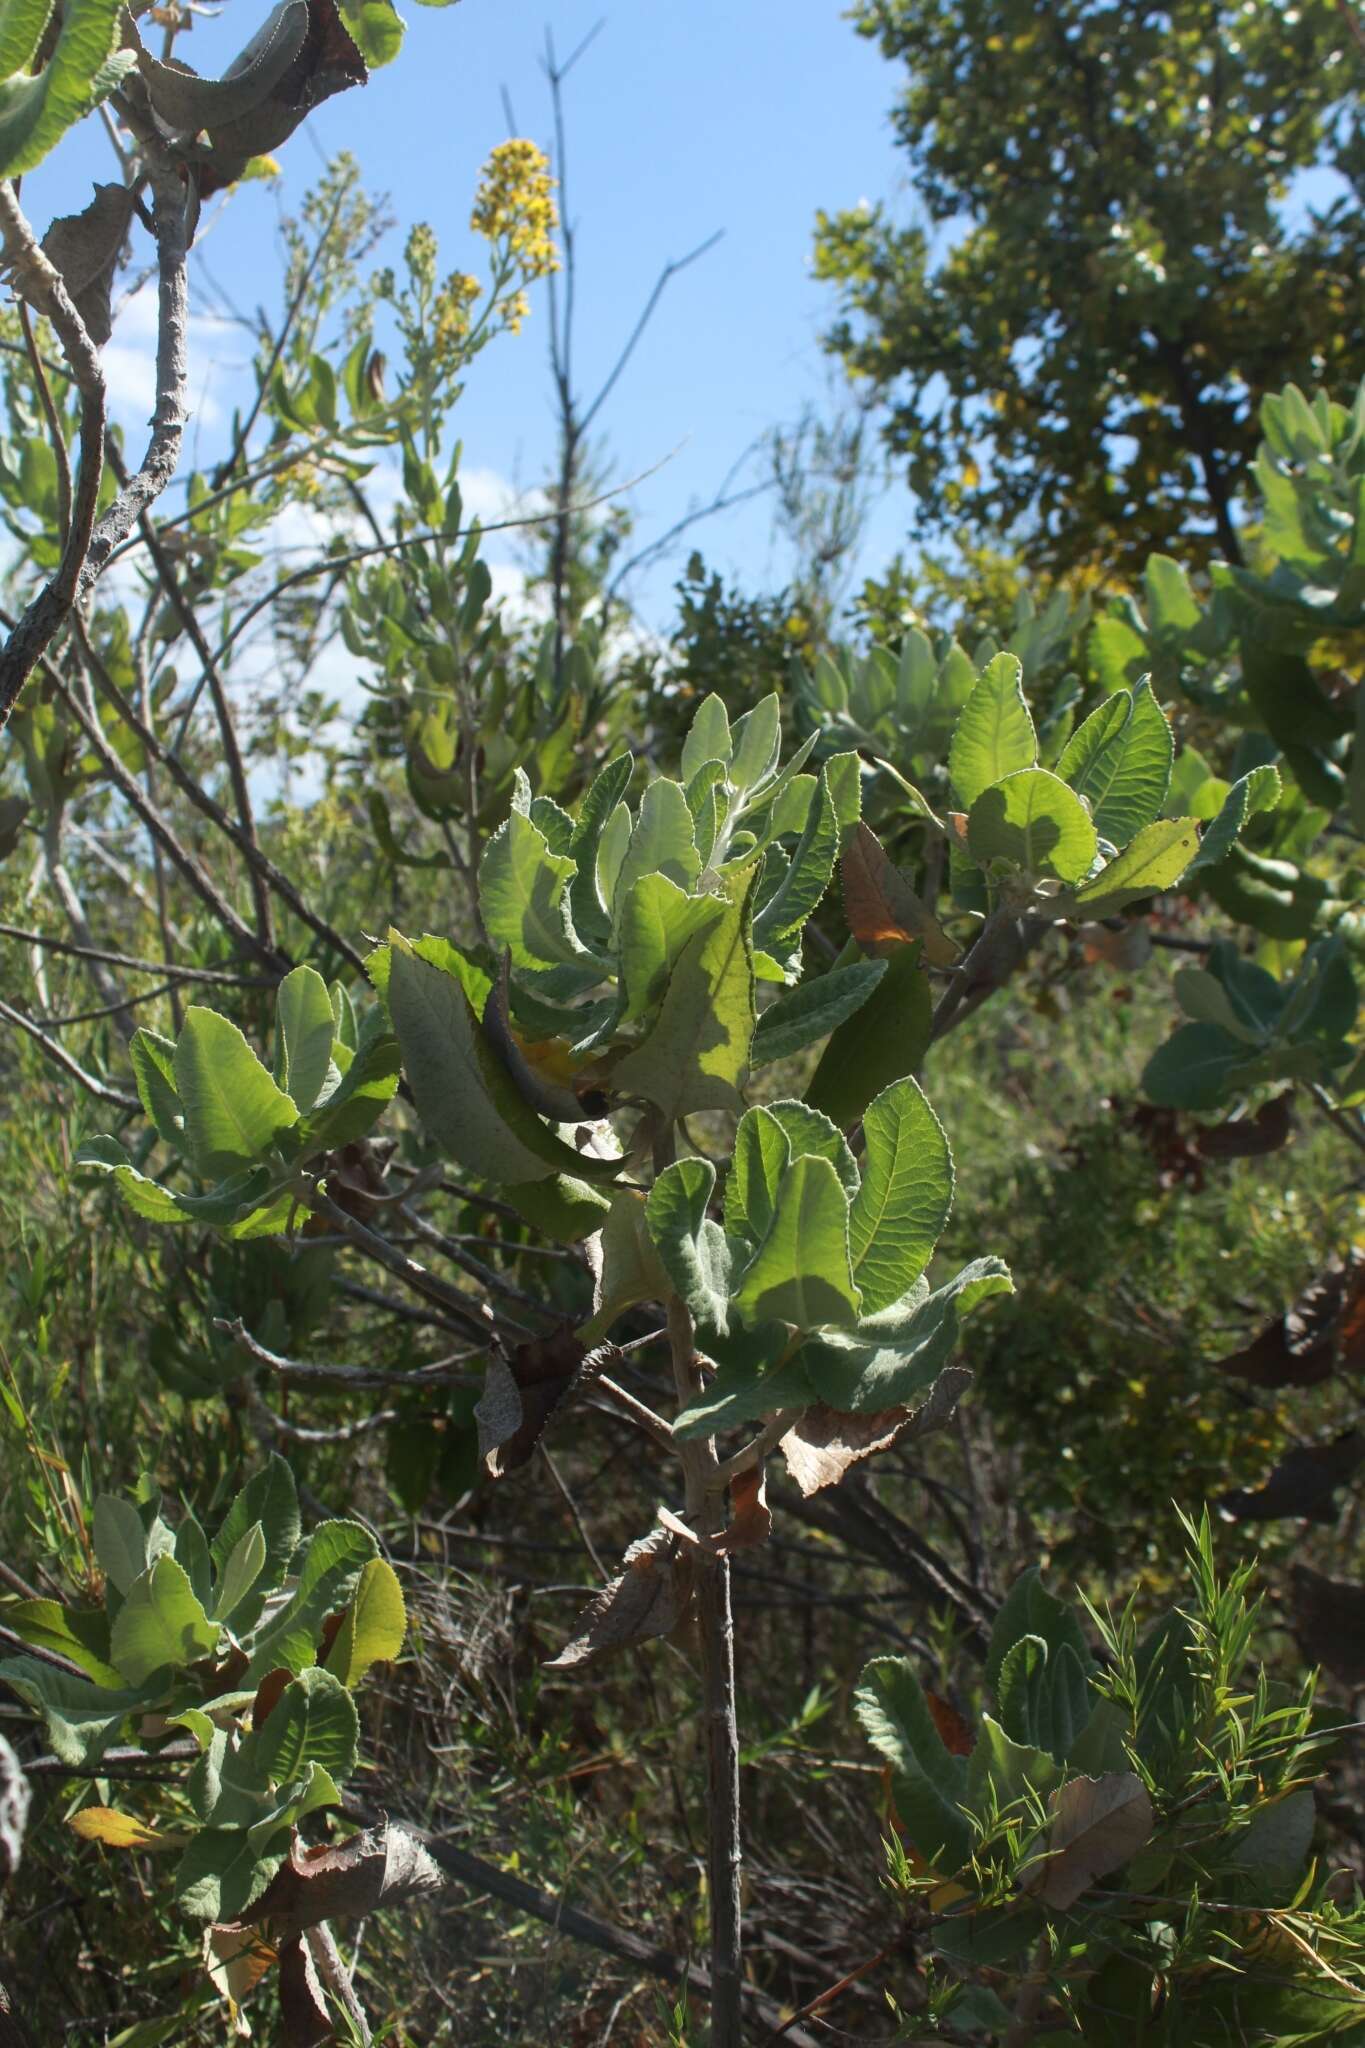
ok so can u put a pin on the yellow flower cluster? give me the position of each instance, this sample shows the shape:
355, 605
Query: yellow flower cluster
515, 204
454, 308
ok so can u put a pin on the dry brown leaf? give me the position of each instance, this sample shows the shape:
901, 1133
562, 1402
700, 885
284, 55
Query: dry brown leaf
520, 1395
953, 1731
751, 1519
1098, 1825
823, 1443
882, 909
381, 1867
235, 1959
1303, 1486
303, 2002
85, 248
1329, 1622
648, 1599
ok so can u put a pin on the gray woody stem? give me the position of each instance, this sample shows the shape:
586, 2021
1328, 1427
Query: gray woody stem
337, 1978
38, 282
706, 1502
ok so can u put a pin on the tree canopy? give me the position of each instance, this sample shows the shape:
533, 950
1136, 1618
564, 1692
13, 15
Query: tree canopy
1104, 270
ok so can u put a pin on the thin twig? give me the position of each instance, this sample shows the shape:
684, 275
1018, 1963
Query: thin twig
61, 1058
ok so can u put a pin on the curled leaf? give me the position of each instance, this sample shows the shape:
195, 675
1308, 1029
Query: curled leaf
382, 1866
520, 1395
649, 1598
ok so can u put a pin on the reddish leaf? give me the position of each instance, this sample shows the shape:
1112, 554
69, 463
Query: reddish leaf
1251, 1137
953, 1731
882, 909
267, 1693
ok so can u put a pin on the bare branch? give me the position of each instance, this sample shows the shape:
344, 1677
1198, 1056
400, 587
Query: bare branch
37, 280
61, 1058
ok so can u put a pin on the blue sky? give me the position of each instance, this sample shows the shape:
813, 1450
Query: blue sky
681, 121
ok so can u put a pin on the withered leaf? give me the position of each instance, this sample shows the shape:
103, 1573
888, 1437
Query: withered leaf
1329, 1622
650, 1598
326, 62
1303, 1484
268, 1693
184, 102
881, 907
381, 1867
1099, 1824
235, 1959
521, 1393
1251, 1137
85, 247
303, 2002
1303, 1346
751, 1519
822, 1444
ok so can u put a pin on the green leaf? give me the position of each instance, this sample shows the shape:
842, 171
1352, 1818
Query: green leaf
692, 1247
269, 1501
1194, 1069
80, 1634
761, 1156
1045, 1698
801, 1273
376, 29
708, 737
1095, 741
233, 1111
1258, 791
244, 1566
814, 1009
359, 1098
1028, 1609
84, 68
160, 1624
896, 1354
564, 1208
757, 741
662, 842
657, 919
375, 1625
153, 1063
744, 1392
886, 1039
523, 895
626, 1270
930, 1782
221, 1875
1001, 1771
468, 1102
304, 1032
313, 1721
1126, 775
21, 32
1154, 860
332, 1562
82, 1718
1035, 823
906, 1194
994, 735
120, 1541
591, 913
779, 922
696, 1055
